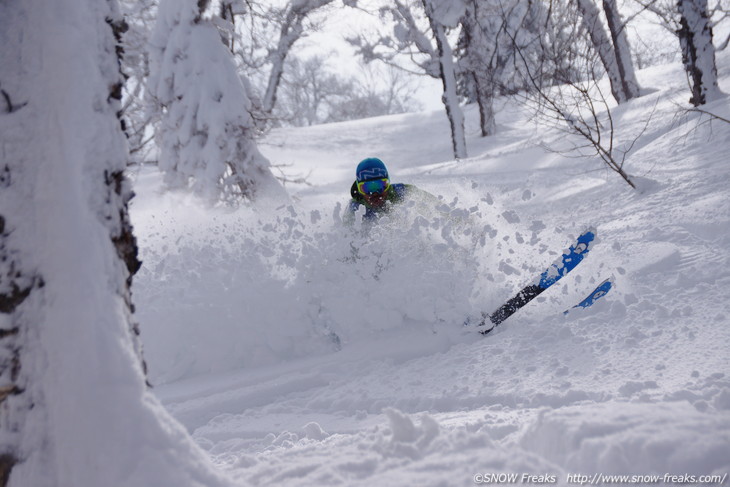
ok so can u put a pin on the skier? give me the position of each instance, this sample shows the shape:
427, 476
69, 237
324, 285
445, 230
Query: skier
373, 190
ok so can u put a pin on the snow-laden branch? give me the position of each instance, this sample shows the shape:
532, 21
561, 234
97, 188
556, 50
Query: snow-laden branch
207, 132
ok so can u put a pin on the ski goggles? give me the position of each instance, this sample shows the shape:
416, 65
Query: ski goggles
373, 186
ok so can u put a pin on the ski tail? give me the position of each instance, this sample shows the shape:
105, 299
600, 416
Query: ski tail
570, 258
601, 290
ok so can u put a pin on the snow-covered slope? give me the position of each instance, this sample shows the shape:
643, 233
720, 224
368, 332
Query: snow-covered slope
298, 352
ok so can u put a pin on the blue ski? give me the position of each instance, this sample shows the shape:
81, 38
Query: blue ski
600, 291
564, 264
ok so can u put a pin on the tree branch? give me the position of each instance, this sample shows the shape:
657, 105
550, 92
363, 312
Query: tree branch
573, 115
9, 103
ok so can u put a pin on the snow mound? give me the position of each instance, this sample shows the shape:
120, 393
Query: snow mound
621, 438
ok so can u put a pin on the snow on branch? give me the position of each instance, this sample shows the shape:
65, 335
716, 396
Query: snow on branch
207, 132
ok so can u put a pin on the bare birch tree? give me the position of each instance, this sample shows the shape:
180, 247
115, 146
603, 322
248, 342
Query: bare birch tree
421, 34
267, 35
698, 51
691, 21
621, 49
292, 28
615, 55
486, 50
442, 14
479, 61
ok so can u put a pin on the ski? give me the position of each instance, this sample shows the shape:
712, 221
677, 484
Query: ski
564, 264
600, 291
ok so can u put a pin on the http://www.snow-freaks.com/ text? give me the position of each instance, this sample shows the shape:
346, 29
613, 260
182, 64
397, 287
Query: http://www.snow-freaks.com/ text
600, 479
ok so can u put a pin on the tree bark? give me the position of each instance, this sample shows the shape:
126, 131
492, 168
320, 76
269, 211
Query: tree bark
698, 52
601, 42
621, 50
476, 56
77, 168
447, 71
485, 100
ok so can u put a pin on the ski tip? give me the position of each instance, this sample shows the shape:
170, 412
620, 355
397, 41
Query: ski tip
609, 283
589, 236
601, 290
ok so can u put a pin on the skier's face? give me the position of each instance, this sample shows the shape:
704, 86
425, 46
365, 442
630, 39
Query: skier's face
375, 199
374, 191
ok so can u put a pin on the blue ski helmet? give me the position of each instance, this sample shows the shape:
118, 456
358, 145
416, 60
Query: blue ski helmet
371, 168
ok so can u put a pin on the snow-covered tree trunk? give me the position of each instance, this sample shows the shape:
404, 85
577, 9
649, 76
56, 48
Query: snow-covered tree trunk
438, 12
602, 43
478, 53
206, 135
622, 50
74, 406
698, 52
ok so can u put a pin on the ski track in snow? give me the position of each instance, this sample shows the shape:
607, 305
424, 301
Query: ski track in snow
637, 384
